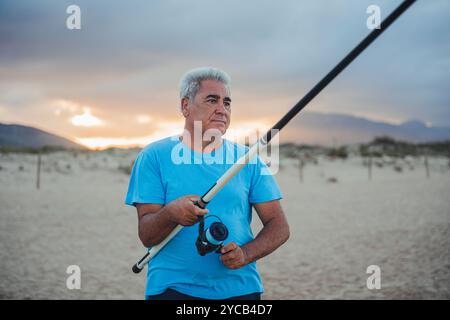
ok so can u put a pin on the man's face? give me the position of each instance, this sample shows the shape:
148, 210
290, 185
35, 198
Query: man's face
211, 106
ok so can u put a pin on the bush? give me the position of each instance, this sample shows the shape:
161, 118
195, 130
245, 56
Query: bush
31, 150
338, 153
126, 169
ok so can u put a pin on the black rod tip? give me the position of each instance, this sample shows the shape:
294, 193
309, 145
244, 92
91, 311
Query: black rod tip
136, 269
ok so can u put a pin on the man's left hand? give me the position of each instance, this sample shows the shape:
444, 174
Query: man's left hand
233, 256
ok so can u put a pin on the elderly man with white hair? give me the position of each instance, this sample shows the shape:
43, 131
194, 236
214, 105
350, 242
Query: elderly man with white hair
164, 191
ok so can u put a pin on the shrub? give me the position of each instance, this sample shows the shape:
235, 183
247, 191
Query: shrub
338, 153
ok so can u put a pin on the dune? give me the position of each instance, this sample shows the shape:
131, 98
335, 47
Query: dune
341, 223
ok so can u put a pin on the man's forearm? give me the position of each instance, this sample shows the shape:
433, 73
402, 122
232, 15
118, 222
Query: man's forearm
271, 236
155, 227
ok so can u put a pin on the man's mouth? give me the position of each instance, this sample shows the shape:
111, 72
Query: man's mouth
221, 121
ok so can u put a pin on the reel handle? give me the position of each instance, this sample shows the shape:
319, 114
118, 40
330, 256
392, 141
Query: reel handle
218, 249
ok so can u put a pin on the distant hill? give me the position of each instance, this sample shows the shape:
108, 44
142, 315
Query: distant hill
311, 128
18, 136
339, 129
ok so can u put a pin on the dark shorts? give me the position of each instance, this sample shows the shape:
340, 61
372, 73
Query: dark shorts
171, 294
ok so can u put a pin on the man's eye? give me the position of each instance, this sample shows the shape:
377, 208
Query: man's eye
212, 100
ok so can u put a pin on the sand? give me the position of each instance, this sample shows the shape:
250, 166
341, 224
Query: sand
399, 221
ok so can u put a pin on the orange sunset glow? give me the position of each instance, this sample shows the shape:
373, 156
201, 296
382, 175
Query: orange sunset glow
238, 132
114, 82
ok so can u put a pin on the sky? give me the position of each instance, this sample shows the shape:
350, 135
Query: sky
115, 80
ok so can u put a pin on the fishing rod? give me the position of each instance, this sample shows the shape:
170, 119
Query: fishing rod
265, 139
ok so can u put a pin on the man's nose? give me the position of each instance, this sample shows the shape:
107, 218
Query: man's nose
221, 107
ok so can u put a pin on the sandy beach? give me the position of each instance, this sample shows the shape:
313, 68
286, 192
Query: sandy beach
340, 222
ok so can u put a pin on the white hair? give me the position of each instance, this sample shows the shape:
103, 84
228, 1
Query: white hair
191, 80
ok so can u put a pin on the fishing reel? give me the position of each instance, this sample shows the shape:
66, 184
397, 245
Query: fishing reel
211, 239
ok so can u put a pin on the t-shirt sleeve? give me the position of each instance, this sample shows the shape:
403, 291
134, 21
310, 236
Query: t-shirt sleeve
263, 186
145, 184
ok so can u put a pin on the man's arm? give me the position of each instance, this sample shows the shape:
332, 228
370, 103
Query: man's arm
154, 223
274, 233
157, 221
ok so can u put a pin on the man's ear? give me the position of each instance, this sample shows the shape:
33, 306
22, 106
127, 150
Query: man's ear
185, 107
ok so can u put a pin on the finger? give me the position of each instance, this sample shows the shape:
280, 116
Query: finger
193, 197
229, 247
192, 204
200, 212
226, 260
190, 219
193, 220
231, 264
197, 210
229, 258
197, 207
230, 254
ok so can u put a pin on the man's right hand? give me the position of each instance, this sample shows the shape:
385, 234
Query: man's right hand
183, 210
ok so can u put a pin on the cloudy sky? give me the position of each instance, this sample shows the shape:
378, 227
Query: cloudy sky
116, 79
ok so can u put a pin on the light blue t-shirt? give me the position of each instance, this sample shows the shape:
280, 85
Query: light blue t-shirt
168, 169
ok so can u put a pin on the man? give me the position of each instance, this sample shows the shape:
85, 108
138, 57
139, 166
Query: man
164, 190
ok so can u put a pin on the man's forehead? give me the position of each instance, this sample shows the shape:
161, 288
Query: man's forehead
213, 87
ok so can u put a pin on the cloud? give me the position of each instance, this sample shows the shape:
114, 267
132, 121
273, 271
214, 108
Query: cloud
86, 119
127, 59
143, 119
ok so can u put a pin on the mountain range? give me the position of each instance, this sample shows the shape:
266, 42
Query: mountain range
18, 136
338, 129
307, 128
